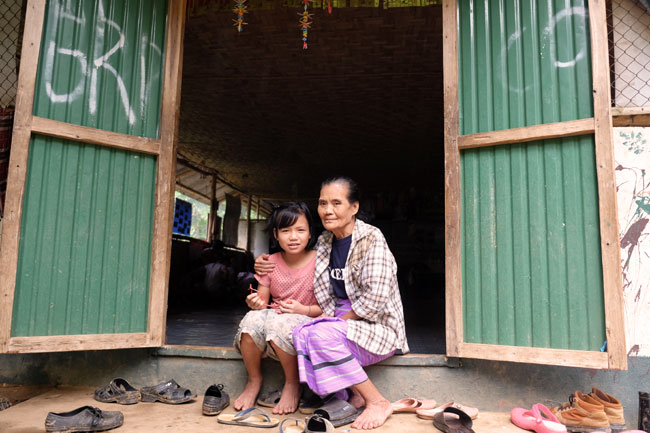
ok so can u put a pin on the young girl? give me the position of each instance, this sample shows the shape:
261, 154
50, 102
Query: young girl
266, 332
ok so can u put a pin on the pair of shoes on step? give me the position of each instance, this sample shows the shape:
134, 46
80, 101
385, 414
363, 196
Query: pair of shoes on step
120, 391
593, 412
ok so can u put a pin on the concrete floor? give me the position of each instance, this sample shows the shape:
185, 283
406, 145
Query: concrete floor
29, 415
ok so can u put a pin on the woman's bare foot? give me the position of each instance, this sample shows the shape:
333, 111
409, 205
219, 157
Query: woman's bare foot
356, 399
289, 400
374, 415
247, 398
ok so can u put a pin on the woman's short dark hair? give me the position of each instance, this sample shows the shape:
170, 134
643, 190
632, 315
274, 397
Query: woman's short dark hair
353, 187
286, 215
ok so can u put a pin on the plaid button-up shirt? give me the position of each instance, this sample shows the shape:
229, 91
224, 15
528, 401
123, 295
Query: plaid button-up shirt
370, 277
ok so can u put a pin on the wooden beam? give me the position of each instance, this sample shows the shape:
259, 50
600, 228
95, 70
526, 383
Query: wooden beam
631, 116
34, 18
68, 131
526, 134
184, 174
453, 277
608, 207
65, 343
535, 355
193, 193
249, 225
165, 175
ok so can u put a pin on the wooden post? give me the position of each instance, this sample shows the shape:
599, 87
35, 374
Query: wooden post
249, 238
214, 205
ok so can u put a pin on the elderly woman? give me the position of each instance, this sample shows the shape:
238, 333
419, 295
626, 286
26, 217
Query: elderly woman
355, 284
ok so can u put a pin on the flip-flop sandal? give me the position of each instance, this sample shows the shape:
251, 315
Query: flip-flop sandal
168, 392
318, 424
117, 391
298, 426
452, 420
269, 399
429, 413
410, 405
338, 412
251, 417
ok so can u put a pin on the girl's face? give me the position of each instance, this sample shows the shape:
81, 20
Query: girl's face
335, 211
294, 239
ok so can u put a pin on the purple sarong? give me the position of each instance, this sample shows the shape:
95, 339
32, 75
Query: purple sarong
327, 361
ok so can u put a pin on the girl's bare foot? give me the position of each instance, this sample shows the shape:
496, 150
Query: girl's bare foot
247, 398
289, 400
374, 415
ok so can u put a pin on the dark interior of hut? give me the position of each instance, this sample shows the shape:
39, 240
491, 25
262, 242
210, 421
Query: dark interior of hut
365, 99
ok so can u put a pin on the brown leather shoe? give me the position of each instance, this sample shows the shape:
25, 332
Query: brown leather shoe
583, 413
613, 409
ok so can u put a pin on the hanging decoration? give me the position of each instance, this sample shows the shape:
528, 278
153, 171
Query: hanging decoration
240, 9
329, 7
305, 24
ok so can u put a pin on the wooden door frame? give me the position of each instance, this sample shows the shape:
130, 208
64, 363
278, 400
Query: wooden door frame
601, 126
164, 147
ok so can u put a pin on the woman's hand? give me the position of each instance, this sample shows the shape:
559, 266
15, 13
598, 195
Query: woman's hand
292, 306
263, 265
255, 302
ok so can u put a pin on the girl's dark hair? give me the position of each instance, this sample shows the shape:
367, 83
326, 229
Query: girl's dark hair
353, 188
286, 215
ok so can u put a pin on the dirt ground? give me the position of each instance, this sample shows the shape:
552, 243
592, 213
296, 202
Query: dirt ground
31, 405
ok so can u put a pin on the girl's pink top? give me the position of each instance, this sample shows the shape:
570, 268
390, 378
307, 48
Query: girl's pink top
288, 283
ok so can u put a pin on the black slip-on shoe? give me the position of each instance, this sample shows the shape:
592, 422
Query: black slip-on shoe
86, 418
215, 400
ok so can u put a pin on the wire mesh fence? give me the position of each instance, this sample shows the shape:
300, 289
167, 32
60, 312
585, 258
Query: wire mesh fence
629, 53
10, 32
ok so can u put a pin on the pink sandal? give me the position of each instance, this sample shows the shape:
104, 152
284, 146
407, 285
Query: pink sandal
410, 405
539, 419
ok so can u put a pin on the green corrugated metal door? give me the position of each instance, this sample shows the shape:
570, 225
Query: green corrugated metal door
90, 191
529, 274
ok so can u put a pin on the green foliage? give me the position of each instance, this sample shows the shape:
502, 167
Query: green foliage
200, 216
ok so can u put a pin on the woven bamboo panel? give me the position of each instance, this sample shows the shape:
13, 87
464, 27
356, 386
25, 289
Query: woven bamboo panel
364, 99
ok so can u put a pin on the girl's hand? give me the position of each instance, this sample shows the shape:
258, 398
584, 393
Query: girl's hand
255, 302
292, 306
263, 265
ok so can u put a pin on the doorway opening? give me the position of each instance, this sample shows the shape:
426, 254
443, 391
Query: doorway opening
263, 121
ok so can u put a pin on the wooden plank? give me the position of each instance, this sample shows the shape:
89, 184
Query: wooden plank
535, 355
54, 128
18, 165
453, 278
193, 193
609, 231
165, 176
528, 133
631, 116
64, 343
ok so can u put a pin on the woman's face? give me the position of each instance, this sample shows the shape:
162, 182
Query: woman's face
335, 211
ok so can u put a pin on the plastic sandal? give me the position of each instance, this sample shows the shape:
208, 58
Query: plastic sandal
251, 417
338, 412
117, 391
429, 413
539, 419
269, 399
298, 426
410, 405
168, 392
452, 420
318, 424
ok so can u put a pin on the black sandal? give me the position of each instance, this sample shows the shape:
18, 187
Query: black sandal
118, 391
168, 392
